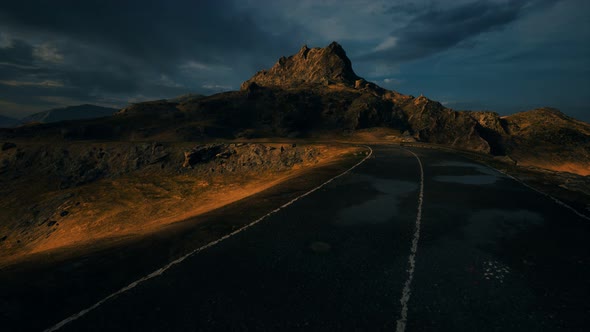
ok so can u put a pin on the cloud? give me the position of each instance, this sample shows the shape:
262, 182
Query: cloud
217, 87
44, 84
150, 31
406, 8
199, 66
119, 51
168, 82
435, 28
388, 43
48, 53
116, 49
5, 40
392, 81
14, 65
19, 53
380, 70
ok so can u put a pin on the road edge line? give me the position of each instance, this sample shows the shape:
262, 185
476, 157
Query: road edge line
163, 269
554, 199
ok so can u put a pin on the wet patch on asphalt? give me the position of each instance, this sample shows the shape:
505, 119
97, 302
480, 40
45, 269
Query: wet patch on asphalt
382, 207
489, 225
320, 247
483, 175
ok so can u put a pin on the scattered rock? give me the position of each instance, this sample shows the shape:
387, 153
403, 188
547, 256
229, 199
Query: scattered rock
51, 223
360, 83
64, 213
8, 146
249, 157
205, 153
505, 159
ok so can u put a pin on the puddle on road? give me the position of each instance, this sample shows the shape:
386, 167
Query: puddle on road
380, 209
467, 179
320, 247
486, 176
489, 225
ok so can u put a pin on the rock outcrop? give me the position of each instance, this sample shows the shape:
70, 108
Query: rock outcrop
344, 100
221, 157
310, 66
549, 139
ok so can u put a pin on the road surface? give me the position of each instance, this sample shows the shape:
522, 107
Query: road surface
476, 251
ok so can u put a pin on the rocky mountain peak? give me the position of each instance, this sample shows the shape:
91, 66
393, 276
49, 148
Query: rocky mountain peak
309, 66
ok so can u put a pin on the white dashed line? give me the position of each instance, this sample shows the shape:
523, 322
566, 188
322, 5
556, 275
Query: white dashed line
401, 322
208, 245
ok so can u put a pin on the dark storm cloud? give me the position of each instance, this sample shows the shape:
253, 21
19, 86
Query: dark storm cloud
150, 30
434, 29
19, 54
405, 8
65, 52
143, 48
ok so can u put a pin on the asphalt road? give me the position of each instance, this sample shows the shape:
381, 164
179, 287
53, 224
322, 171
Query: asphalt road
491, 255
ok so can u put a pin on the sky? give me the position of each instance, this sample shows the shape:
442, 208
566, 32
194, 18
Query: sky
504, 56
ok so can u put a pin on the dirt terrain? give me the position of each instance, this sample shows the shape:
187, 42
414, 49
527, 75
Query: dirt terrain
57, 195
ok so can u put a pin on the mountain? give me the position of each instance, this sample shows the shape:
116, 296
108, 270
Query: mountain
316, 92
85, 111
313, 92
7, 122
185, 98
309, 66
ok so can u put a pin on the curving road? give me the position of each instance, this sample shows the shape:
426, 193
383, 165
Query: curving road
410, 240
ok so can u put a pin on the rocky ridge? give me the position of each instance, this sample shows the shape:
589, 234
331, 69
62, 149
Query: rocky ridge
316, 91
323, 66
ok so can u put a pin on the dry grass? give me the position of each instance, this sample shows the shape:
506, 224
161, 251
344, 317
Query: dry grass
129, 205
376, 135
569, 167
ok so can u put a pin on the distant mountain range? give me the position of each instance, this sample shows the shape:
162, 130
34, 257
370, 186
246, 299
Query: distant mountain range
315, 92
185, 98
79, 112
6, 122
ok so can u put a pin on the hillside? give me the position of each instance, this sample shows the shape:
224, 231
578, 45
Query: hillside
549, 139
316, 93
56, 195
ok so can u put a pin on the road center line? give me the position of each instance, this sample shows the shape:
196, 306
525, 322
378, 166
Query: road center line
406, 292
163, 269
